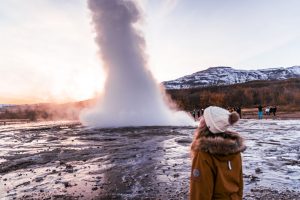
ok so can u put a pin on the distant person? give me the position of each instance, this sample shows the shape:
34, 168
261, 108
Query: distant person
274, 110
260, 112
216, 164
202, 111
194, 114
271, 110
198, 113
267, 110
239, 111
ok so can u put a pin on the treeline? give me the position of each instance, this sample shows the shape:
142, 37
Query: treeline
280, 93
29, 114
67, 111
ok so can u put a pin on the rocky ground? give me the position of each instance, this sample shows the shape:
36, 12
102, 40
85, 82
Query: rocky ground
64, 160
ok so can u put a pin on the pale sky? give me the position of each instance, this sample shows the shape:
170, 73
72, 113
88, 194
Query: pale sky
47, 50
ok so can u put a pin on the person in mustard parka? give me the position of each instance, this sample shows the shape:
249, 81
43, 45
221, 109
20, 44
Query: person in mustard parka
216, 157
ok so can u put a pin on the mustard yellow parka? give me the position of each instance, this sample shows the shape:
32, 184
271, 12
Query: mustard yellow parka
217, 167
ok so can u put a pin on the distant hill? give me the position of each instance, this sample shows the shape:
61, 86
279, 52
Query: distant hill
5, 105
284, 93
228, 76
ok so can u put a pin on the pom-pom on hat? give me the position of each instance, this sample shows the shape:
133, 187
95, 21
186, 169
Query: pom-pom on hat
218, 119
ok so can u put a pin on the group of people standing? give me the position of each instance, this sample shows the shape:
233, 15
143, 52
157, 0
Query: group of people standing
197, 113
268, 111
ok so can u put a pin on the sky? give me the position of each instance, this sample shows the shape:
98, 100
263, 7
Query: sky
48, 53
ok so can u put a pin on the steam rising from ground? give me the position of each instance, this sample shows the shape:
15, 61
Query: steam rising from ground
131, 95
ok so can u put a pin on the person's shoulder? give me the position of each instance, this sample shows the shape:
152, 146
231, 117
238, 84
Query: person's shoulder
203, 155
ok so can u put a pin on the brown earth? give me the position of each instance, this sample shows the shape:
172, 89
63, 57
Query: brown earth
251, 113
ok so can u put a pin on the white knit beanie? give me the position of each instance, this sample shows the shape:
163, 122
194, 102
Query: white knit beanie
218, 119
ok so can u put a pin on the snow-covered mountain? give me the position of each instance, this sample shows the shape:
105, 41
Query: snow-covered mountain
228, 75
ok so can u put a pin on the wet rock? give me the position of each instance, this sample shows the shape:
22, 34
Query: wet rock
62, 163
269, 194
253, 178
176, 175
24, 184
67, 184
258, 170
95, 188
39, 179
69, 168
183, 140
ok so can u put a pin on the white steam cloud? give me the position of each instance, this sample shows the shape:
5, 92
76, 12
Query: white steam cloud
131, 95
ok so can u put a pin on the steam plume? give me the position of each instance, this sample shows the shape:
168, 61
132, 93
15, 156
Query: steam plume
131, 95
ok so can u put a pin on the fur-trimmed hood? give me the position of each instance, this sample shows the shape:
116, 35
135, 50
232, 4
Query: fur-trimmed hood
222, 144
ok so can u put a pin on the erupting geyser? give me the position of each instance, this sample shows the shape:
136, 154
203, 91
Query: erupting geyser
131, 95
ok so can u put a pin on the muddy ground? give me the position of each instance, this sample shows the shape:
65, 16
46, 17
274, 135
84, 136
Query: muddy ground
64, 160
287, 115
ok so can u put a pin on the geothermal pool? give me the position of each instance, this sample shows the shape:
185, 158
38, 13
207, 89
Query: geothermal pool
64, 160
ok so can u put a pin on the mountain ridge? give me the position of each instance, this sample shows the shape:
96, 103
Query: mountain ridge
224, 75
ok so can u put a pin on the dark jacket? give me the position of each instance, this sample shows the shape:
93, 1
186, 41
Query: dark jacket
217, 168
